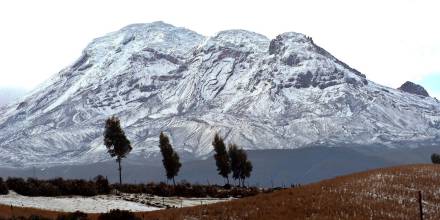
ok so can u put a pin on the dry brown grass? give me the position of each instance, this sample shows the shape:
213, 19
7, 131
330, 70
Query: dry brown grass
388, 193
7, 212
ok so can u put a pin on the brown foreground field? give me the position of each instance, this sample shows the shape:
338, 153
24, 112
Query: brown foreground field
7, 212
388, 193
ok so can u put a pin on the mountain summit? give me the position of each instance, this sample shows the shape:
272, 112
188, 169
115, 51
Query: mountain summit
259, 93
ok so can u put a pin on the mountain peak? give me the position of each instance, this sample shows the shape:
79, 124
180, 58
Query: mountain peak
157, 24
290, 42
413, 88
295, 36
158, 36
239, 39
260, 93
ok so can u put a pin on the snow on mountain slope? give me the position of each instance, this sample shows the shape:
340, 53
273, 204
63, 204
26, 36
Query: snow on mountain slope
260, 93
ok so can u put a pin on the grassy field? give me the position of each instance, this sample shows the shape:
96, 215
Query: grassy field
388, 193
8, 212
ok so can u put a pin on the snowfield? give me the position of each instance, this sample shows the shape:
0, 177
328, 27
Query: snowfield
104, 203
176, 202
96, 204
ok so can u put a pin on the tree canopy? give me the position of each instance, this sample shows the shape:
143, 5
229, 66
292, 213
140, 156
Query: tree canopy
240, 165
171, 160
116, 142
221, 157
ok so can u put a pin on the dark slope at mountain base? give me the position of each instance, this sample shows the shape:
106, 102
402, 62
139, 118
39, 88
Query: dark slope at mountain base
271, 167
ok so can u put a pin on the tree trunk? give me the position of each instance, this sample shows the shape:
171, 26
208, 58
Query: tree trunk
174, 182
227, 179
120, 171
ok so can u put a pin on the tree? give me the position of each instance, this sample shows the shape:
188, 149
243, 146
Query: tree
171, 160
116, 142
241, 167
221, 157
247, 169
235, 160
435, 158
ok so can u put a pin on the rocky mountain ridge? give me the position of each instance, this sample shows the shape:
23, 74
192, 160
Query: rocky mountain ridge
413, 88
259, 93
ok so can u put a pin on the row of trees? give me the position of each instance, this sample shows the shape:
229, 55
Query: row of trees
232, 160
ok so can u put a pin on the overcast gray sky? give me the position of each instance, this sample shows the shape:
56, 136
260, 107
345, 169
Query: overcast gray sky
390, 41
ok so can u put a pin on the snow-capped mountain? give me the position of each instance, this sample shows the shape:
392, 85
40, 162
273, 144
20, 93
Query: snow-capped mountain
259, 93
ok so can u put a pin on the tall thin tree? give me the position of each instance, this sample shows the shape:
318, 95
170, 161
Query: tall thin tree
234, 157
241, 167
221, 157
247, 169
116, 142
171, 160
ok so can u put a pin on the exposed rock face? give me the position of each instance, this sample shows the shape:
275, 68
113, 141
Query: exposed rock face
258, 93
413, 88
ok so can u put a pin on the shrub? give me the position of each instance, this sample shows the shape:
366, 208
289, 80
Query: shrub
185, 189
83, 188
102, 185
117, 214
435, 158
18, 185
131, 188
73, 216
48, 189
3, 187
58, 187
